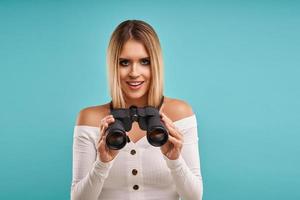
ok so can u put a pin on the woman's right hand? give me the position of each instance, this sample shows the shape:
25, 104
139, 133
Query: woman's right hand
105, 154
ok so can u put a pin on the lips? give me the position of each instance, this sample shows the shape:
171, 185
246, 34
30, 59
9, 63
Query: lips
135, 84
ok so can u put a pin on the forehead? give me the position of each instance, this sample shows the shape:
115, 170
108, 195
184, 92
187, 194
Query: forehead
133, 49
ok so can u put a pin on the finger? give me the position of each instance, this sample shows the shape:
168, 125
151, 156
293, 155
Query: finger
100, 138
173, 130
104, 124
102, 132
103, 128
99, 144
107, 123
103, 140
110, 120
104, 119
165, 117
109, 117
176, 142
170, 124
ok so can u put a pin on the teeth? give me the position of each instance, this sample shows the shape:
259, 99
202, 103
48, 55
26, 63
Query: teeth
134, 83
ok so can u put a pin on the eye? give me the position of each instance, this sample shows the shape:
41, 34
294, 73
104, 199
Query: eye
145, 62
124, 62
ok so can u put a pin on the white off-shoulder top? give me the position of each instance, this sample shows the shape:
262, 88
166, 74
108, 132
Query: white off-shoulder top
139, 172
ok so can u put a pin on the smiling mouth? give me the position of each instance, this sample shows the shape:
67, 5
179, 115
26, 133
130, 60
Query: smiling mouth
135, 85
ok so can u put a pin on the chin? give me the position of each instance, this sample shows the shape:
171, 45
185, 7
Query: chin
137, 95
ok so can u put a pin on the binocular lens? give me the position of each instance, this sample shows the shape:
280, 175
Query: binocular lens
157, 137
116, 140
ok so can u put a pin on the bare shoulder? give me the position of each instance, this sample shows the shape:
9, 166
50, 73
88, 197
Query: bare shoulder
176, 109
91, 116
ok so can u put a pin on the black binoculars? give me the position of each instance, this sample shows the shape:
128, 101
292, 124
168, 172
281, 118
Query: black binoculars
148, 118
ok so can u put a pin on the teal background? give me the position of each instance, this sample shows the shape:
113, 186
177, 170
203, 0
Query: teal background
236, 63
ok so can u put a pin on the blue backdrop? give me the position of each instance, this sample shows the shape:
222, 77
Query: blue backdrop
236, 62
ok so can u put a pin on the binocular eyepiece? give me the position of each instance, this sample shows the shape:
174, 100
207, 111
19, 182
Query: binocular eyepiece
148, 119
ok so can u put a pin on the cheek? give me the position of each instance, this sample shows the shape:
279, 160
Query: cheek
147, 73
122, 74
148, 78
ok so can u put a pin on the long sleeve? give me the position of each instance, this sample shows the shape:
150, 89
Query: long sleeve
89, 173
186, 169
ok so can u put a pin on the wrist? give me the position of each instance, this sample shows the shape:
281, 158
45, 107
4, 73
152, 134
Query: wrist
103, 164
174, 164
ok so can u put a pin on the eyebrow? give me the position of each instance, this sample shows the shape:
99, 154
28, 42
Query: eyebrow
129, 59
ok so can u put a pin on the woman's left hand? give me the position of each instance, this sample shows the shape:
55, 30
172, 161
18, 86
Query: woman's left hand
172, 148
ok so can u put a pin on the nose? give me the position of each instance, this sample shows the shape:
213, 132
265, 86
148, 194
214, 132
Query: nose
134, 71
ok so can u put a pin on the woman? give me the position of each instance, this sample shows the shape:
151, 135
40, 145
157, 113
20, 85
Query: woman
139, 170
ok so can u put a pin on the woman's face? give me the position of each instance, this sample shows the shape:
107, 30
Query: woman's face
134, 70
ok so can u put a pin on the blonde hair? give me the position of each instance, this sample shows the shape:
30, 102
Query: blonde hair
144, 33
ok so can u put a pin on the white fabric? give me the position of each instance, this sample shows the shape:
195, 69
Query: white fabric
157, 177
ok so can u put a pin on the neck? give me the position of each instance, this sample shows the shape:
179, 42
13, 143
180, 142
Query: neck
140, 102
